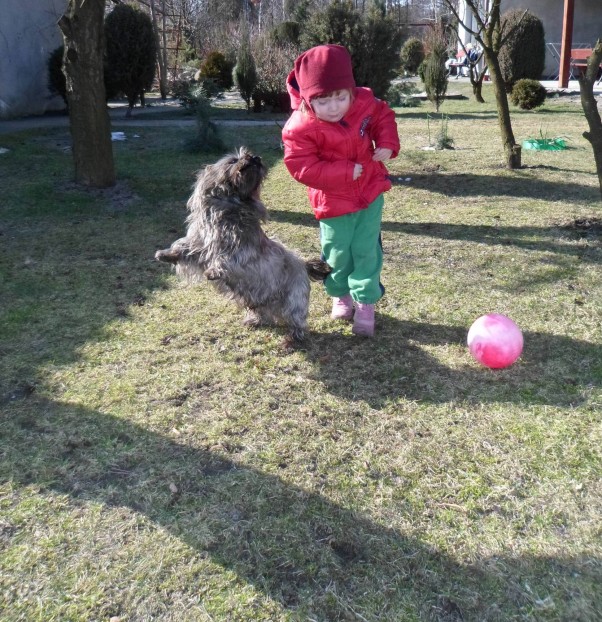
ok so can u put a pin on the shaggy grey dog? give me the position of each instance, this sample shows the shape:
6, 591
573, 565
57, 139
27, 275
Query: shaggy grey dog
226, 244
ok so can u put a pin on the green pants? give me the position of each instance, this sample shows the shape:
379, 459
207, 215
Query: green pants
351, 246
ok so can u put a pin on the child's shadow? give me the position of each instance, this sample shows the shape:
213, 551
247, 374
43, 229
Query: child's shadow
406, 359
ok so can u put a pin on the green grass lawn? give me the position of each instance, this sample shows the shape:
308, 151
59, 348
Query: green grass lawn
158, 461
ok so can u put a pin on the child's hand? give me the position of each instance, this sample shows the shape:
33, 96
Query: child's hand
357, 171
381, 154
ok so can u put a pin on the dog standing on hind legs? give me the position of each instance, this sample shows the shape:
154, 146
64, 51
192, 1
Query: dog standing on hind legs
225, 243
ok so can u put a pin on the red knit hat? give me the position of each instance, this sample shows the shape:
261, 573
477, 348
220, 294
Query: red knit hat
323, 69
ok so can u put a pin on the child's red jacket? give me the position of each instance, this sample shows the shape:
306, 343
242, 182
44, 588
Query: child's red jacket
322, 155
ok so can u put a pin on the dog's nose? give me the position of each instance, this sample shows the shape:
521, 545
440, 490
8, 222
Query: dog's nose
256, 159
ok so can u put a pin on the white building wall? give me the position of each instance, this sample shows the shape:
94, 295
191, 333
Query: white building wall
587, 26
28, 35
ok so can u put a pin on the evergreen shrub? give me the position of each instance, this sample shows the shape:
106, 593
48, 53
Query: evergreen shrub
373, 40
523, 55
528, 94
401, 95
130, 52
286, 33
207, 138
433, 74
57, 84
245, 73
411, 55
217, 67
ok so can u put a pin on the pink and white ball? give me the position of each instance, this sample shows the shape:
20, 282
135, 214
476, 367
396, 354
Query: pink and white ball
495, 341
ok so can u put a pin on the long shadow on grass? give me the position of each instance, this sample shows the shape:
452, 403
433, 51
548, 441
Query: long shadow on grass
296, 546
432, 115
402, 362
471, 185
559, 239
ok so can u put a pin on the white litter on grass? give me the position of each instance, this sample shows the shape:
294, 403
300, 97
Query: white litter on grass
4, 150
117, 136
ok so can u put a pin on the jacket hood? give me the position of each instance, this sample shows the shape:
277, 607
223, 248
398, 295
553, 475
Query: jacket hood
321, 69
293, 90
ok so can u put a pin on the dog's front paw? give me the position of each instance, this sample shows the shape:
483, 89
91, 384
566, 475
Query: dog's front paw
212, 274
294, 340
291, 343
169, 255
252, 319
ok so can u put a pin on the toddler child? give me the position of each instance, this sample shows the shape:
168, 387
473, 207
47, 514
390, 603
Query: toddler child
335, 142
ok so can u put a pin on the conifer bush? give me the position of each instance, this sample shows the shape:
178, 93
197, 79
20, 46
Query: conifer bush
379, 62
217, 67
411, 55
245, 73
373, 40
130, 52
286, 33
56, 78
433, 74
207, 138
528, 94
401, 95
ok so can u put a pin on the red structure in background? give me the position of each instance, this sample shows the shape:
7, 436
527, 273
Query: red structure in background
566, 44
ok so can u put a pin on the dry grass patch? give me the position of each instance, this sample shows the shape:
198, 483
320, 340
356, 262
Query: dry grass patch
159, 461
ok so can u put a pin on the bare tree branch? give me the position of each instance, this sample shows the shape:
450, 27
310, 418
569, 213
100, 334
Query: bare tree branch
455, 13
476, 11
504, 39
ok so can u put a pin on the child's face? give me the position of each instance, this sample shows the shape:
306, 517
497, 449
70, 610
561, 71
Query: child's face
333, 107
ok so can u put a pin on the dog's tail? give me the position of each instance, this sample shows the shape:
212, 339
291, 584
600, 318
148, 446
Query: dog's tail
317, 269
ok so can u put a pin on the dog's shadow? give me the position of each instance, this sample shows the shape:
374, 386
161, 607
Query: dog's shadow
406, 360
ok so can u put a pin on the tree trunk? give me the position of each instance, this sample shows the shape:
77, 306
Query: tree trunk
590, 107
82, 28
488, 35
511, 149
163, 48
161, 52
476, 80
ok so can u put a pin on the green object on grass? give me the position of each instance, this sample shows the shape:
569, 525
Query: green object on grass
548, 144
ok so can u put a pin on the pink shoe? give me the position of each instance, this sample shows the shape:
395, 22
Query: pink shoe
342, 308
363, 321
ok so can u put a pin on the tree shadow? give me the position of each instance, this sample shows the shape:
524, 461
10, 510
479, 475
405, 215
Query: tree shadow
480, 116
549, 167
576, 110
558, 239
452, 116
295, 546
561, 369
469, 184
